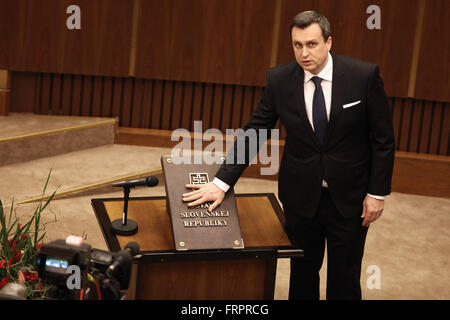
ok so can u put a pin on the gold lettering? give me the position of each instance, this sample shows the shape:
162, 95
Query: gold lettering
206, 223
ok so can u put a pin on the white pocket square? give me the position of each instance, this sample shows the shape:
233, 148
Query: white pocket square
351, 104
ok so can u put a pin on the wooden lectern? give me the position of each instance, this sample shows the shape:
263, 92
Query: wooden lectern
164, 273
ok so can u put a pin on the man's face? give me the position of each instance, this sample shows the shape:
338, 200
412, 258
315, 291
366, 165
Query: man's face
310, 49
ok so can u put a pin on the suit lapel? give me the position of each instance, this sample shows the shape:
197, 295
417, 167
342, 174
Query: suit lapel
337, 95
300, 97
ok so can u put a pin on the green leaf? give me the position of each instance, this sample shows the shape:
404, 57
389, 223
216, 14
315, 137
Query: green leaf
11, 228
11, 211
6, 252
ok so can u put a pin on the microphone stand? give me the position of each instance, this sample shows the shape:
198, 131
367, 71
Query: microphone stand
124, 226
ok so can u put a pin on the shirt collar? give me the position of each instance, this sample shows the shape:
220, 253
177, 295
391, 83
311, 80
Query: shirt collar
325, 74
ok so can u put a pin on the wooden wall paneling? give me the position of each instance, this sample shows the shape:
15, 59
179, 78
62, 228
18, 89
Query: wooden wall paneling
45, 93
421, 174
37, 92
136, 108
237, 107
35, 44
147, 103
390, 47
436, 127
42, 42
445, 136
210, 41
405, 128
66, 94
426, 127
247, 106
22, 92
197, 104
177, 105
254, 42
154, 51
257, 94
107, 97
419, 126
207, 105
433, 70
97, 94
127, 101
117, 96
77, 95
227, 108
217, 106
55, 100
166, 111
157, 104
416, 123
86, 99
187, 105
7, 17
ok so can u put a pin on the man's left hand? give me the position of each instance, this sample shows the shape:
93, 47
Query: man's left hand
372, 210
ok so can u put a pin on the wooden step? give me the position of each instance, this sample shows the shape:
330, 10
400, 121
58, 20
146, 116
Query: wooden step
25, 137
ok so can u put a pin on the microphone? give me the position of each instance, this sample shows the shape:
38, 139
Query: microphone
150, 181
124, 226
121, 268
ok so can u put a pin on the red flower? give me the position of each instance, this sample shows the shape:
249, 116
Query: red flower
4, 264
3, 282
39, 246
12, 245
17, 255
31, 276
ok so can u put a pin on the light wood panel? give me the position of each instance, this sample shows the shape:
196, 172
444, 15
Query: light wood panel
152, 217
260, 225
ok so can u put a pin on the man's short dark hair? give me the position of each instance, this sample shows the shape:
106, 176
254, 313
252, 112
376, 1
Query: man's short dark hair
306, 18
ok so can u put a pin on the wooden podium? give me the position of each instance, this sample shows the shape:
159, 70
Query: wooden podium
164, 273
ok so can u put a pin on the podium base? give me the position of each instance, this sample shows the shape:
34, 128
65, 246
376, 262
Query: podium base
124, 229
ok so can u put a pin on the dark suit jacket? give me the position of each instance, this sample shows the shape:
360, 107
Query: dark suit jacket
359, 153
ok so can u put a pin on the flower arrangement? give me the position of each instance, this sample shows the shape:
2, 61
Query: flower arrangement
20, 244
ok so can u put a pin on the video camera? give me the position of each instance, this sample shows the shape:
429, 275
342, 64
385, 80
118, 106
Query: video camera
78, 272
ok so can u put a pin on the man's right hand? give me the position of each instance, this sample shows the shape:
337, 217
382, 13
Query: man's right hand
204, 193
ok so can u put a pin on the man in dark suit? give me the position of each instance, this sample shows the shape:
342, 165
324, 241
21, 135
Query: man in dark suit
337, 162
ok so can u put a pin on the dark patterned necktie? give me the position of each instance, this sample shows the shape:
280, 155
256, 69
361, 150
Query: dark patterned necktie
319, 112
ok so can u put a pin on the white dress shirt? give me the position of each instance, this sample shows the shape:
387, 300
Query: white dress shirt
327, 77
308, 87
